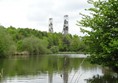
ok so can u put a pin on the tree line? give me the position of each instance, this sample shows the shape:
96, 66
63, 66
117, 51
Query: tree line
14, 40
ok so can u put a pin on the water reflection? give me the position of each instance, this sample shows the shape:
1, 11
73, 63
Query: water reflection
66, 63
108, 77
53, 69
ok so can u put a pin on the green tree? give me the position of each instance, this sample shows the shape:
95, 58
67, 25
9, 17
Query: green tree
60, 42
75, 43
54, 49
33, 45
7, 46
66, 42
103, 38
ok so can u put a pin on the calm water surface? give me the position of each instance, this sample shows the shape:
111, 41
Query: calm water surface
68, 68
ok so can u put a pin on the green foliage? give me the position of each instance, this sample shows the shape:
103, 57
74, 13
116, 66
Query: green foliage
66, 42
7, 46
103, 37
33, 45
20, 33
53, 39
36, 42
77, 44
54, 49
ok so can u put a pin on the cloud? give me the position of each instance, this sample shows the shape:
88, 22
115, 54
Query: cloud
35, 13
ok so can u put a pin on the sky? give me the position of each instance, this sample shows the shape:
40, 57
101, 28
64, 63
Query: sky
35, 14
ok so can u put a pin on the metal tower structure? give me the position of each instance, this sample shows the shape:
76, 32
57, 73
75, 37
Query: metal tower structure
50, 25
65, 26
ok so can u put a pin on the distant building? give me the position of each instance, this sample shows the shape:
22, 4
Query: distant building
50, 25
65, 26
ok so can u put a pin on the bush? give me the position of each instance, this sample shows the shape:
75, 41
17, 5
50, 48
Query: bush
33, 45
54, 49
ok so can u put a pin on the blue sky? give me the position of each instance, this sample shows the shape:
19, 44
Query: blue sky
35, 13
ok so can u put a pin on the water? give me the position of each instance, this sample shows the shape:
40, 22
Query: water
61, 68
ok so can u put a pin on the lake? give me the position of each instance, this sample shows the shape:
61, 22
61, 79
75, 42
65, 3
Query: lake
55, 68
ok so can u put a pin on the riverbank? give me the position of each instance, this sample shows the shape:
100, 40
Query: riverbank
71, 53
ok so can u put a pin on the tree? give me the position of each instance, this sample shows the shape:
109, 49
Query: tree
77, 44
66, 42
33, 45
7, 46
54, 49
103, 38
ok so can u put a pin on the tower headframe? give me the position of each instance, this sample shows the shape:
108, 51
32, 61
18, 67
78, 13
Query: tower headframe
51, 25
66, 25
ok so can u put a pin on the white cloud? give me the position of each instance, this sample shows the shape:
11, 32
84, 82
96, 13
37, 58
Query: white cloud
35, 13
